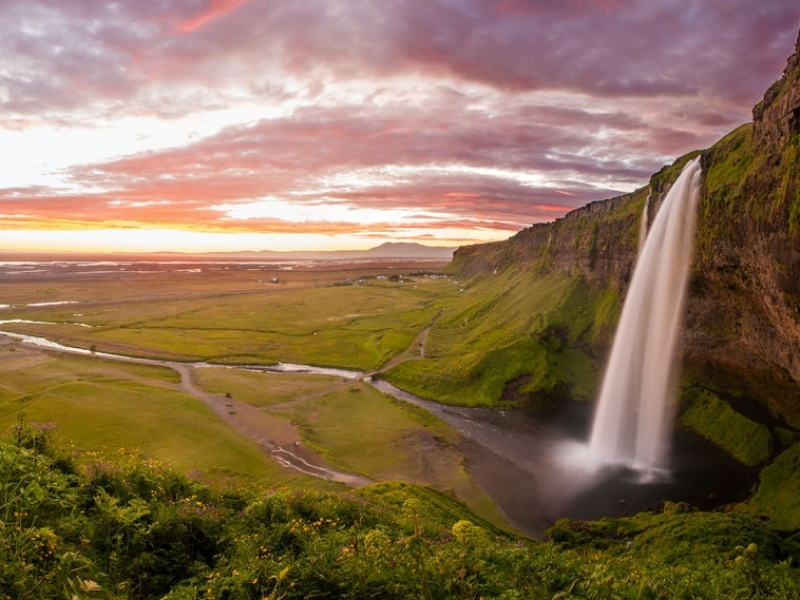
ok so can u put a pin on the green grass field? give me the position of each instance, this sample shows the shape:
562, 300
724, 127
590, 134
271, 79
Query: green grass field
359, 429
523, 326
363, 430
103, 406
310, 322
261, 388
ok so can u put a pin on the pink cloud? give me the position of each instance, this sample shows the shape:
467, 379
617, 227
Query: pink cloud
589, 94
215, 10
732, 49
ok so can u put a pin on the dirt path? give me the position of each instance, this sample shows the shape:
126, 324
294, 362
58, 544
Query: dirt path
284, 405
278, 437
415, 351
275, 436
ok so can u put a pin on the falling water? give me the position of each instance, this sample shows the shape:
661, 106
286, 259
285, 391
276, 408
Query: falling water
633, 420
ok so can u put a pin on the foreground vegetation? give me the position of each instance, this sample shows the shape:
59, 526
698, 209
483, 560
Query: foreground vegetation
76, 527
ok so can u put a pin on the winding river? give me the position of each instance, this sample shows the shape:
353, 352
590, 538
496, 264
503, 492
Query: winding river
517, 458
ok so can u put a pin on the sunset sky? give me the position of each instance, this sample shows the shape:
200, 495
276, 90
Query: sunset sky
201, 125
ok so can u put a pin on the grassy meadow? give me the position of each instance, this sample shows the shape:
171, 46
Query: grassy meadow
139, 480
102, 407
264, 388
237, 318
344, 319
358, 429
362, 430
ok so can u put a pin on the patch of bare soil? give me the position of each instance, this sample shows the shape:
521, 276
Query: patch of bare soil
275, 436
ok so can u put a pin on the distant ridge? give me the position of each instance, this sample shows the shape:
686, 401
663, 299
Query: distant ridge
386, 251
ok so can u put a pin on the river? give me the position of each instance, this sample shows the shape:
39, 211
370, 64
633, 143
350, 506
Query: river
518, 458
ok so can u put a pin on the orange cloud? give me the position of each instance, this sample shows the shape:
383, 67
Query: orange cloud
216, 9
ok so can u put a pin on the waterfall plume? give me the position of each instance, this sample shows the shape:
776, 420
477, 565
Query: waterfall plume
633, 417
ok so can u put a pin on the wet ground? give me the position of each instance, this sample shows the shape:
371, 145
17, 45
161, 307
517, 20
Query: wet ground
524, 462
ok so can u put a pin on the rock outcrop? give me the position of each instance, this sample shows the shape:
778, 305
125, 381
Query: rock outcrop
744, 309
777, 116
598, 240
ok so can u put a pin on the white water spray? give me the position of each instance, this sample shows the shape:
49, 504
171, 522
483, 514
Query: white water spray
633, 419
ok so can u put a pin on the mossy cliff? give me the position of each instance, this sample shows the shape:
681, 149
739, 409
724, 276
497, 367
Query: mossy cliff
743, 314
744, 309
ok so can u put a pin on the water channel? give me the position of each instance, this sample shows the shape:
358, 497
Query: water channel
519, 459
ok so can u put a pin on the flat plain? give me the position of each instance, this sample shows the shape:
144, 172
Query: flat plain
188, 407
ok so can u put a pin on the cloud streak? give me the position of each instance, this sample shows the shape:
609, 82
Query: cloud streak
474, 118
217, 9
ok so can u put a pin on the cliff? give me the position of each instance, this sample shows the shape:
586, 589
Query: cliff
777, 116
598, 240
743, 311
742, 326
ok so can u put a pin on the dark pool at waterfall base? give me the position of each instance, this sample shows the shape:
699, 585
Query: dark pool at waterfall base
524, 462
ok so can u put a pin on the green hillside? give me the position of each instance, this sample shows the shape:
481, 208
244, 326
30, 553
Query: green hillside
133, 530
516, 338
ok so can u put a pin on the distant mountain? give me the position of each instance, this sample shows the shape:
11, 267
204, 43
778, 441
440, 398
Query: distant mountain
389, 250
411, 250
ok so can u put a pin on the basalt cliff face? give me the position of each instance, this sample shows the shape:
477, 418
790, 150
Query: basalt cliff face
744, 309
742, 326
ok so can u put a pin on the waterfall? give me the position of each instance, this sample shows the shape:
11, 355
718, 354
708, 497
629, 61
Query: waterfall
633, 418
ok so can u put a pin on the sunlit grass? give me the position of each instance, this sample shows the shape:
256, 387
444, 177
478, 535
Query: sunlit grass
261, 388
354, 326
362, 430
513, 325
102, 406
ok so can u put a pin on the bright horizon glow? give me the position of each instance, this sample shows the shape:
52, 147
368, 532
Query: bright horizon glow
172, 240
241, 125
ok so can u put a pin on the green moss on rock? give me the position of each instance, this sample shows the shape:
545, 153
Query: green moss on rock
708, 415
778, 494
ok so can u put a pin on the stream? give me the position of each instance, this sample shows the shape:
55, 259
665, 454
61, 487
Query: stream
521, 460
